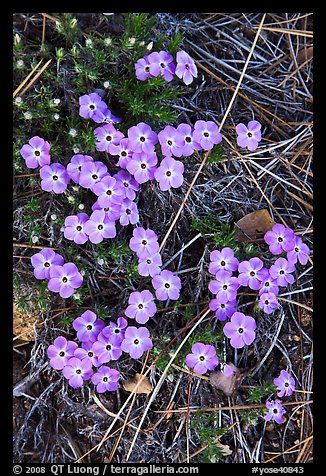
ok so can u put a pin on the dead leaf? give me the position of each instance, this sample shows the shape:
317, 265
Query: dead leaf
228, 385
23, 326
305, 54
252, 227
224, 448
144, 387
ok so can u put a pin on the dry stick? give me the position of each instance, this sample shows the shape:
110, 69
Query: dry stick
22, 245
26, 79
288, 21
220, 128
187, 417
174, 222
300, 200
43, 29
289, 449
36, 77
297, 303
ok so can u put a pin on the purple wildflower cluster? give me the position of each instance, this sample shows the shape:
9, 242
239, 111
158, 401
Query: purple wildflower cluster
162, 64
100, 345
252, 273
63, 278
285, 385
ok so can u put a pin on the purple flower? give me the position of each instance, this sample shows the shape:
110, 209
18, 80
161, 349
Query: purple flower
171, 141
186, 68
106, 379
300, 252
226, 369
141, 306
136, 341
43, 261
223, 310
106, 135
281, 271
76, 371
189, 143
150, 266
128, 212
285, 384
64, 279
105, 116
248, 136
107, 347
142, 68
112, 212
89, 104
142, 166
86, 352
99, 227
169, 173
123, 150
223, 260
88, 326
75, 165
161, 63
142, 138
269, 285
224, 286
91, 173
60, 352
54, 178
74, 228
144, 242
279, 239
36, 153
166, 285
275, 411
117, 329
202, 358
108, 191
252, 273
241, 330
206, 134
129, 184
268, 302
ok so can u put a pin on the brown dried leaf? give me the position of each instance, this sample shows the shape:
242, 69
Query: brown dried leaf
305, 54
144, 387
228, 385
252, 227
23, 326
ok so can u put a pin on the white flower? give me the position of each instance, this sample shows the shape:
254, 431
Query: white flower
56, 116
81, 206
56, 101
75, 188
18, 100
53, 216
131, 41
34, 239
141, 43
76, 295
20, 64
17, 39
108, 41
73, 132
28, 115
106, 84
70, 199
100, 261
89, 42
76, 149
